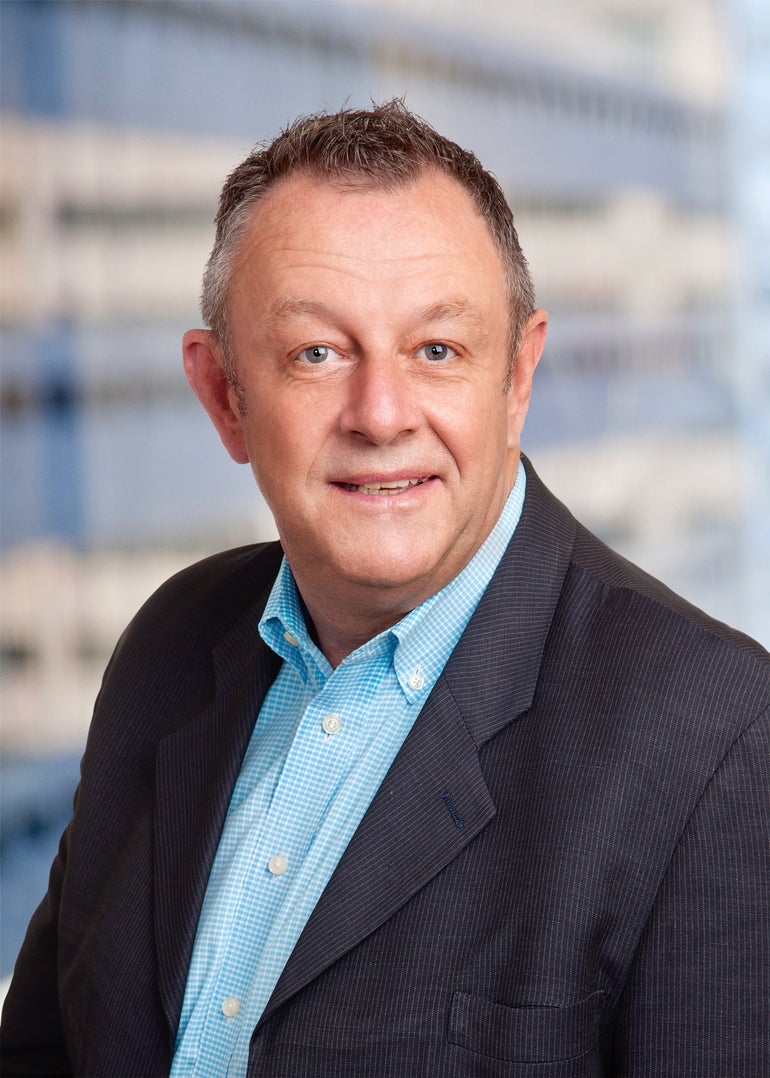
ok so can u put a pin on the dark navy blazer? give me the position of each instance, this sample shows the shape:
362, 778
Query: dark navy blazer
565, 871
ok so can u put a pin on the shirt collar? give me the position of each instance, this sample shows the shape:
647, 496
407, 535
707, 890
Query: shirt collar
282, 627
428, 634
421, 643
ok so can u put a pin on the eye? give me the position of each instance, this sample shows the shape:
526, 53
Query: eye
317, 353
436, 351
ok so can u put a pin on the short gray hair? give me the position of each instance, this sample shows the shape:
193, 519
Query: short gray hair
387, 146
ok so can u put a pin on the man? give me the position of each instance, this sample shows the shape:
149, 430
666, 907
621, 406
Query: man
441, 785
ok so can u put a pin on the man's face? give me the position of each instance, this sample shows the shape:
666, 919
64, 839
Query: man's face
370, 336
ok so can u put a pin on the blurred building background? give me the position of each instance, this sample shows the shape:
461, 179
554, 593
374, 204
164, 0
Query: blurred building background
632, 139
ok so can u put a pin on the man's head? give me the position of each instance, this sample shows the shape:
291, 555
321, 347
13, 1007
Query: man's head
366, 374
386, 147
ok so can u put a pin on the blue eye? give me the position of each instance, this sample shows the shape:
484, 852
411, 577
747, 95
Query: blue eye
436, 351
317, 353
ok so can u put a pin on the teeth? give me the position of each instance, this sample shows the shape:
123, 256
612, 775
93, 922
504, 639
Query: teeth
394, 486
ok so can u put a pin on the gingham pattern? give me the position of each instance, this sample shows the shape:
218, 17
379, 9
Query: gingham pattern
302, 792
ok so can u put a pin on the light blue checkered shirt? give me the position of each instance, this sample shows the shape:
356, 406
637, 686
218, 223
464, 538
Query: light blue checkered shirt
320, 749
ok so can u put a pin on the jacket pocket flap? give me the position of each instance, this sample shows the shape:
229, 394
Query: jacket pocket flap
530, 1033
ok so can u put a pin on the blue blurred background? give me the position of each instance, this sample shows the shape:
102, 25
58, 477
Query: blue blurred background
632, 139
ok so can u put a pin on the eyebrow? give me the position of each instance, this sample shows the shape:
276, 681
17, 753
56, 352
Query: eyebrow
451, 308
292, 305
442, 311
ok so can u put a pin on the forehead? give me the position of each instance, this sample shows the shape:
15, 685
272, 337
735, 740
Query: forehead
431, 217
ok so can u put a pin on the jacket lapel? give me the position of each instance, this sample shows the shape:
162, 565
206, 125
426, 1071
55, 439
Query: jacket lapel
408, 835
434, 800
196, 768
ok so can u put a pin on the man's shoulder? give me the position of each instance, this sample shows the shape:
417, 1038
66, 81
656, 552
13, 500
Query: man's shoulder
631, 639
639, 600
228, 577
221, 586
195, 608
612, 602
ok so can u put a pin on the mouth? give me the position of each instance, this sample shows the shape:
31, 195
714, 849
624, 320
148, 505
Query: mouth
385, 487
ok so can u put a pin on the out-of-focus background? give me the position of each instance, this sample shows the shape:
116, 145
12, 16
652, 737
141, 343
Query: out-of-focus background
633, 140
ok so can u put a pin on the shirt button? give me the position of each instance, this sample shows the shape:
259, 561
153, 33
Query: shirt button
332, 723
278, 864
291, 639
231, 1006
416, 681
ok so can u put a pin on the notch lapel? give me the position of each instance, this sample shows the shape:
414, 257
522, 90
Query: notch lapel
196, 769
407, 836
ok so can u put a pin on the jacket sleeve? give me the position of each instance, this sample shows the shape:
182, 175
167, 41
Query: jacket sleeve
32, 1036
697, 1002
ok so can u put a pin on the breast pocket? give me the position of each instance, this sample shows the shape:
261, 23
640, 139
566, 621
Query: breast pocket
531, 1033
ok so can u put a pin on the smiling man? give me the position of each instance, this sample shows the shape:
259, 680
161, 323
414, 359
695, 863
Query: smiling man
370, 343
439, 785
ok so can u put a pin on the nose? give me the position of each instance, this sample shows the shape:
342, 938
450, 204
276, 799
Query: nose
383, 401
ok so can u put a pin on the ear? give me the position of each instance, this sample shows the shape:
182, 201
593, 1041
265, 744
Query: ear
205, 370
527, 359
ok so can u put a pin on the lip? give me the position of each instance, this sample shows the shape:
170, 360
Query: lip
382, 486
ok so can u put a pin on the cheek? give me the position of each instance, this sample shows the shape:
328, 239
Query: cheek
269, 428
477, 437
283, 457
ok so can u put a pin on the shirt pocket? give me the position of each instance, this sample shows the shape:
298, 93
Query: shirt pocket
530, 1033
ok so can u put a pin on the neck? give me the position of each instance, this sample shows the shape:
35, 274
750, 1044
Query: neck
337, 636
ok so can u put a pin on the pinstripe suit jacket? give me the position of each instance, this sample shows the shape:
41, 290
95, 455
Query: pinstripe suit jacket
591, 899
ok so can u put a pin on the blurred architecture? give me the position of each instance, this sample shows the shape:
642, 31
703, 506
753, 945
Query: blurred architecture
606, 123
749, 130
636, 162
630, 161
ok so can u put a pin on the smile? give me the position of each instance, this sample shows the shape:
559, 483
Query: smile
388, 487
